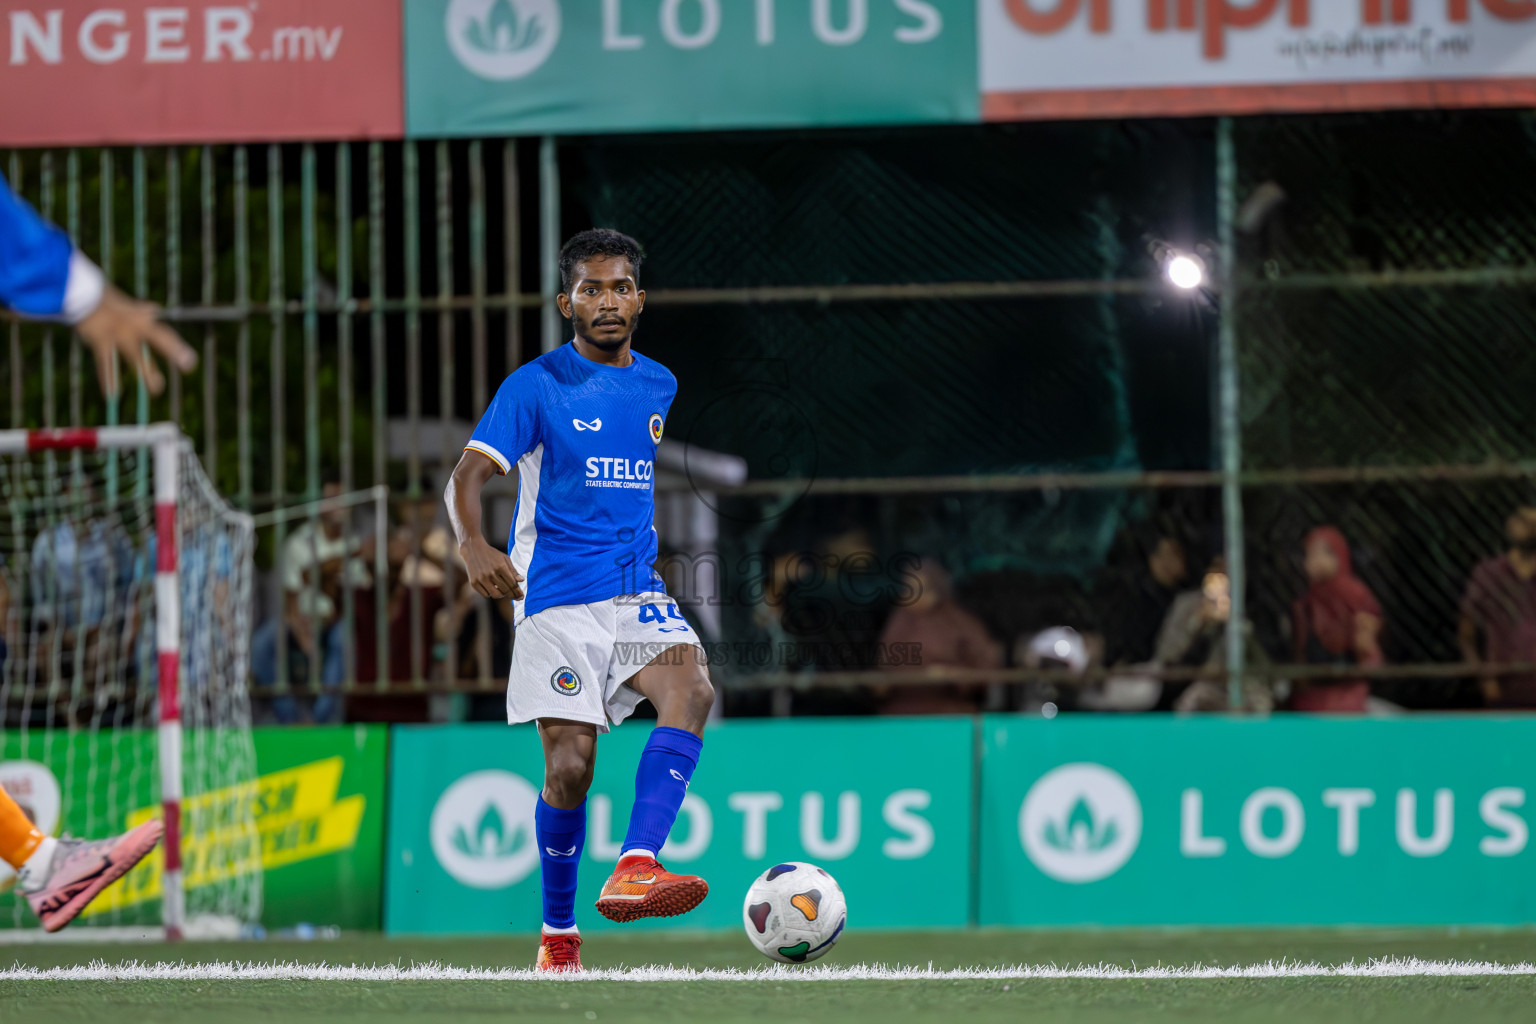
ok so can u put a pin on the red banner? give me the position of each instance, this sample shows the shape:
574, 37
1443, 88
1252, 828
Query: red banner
146, 71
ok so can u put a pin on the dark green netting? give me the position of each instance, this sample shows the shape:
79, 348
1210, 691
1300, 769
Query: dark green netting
907, 389
1343, 375
921, 388
1388, 377
958, 204
1440, 375
1424, 190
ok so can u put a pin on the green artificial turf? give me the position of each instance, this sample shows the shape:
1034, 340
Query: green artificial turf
1465, 999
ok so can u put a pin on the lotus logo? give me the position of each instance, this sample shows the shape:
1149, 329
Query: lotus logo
502, 39
1080, 822
482, 829
1079, 833
490, 837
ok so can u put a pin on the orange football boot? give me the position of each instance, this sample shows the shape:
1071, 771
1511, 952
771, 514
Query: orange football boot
641, 887
559, 952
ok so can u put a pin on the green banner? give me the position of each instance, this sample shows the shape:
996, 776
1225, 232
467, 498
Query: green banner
1289, 820
503, 67
878, 803
321, 815
318, 803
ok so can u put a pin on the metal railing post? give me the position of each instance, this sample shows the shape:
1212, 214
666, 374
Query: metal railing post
1228, 411
141, 289
445, 383
210, 332
479, 370
345, 384
243, 336
413, 390
108, 187
512, 249
173, 261
310, 271
279, 450
549, 241
378, 407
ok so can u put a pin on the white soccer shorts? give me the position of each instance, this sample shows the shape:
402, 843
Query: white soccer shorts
573, 661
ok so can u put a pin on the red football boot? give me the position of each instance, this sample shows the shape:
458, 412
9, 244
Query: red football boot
559, 952
641, 887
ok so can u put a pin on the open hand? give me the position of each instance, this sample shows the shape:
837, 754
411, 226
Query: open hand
125, 326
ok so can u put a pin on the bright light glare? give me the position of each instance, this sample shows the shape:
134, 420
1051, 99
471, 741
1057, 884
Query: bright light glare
1063, 648
1185, 272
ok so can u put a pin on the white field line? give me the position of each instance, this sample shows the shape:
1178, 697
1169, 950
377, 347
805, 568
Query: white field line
100, 970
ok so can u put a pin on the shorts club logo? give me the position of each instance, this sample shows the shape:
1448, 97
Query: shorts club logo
655, 428
566, 681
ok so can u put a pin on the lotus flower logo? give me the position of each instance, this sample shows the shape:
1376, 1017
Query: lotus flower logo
503, 30
502, 39
1079, 833
490, 837
1080, 822
482, 829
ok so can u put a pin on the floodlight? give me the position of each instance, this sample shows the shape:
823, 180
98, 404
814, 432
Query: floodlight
1185, 271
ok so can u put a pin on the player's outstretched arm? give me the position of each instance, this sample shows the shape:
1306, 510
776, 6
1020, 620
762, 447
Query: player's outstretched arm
43, 275
490, 570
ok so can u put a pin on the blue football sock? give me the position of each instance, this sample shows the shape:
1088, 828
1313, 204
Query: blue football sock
661, 781
561, 835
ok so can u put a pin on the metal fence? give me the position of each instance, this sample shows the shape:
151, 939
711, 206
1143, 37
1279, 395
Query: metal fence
956, 340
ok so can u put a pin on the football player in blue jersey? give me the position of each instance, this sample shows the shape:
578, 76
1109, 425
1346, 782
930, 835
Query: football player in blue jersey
579, 427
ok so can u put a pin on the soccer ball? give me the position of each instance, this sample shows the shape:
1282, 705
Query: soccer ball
794, 912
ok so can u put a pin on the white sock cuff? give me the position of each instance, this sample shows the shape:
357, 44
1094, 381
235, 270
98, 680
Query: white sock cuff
552, 930
638, 852
34, 870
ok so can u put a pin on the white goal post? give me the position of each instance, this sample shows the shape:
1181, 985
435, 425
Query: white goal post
65, 490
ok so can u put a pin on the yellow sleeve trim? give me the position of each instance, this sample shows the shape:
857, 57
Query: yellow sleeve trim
490, 453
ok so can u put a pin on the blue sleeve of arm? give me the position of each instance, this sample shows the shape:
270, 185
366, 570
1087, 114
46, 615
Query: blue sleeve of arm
510, 427
34, 258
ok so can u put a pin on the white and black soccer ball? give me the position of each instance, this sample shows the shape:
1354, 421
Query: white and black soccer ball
794, 912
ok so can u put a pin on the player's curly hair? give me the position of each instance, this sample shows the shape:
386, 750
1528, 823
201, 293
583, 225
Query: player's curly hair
597, 242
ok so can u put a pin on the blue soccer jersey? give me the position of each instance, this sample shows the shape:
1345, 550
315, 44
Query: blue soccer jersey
42, 274
583, 436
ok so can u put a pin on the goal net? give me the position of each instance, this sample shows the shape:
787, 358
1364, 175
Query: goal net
125, 599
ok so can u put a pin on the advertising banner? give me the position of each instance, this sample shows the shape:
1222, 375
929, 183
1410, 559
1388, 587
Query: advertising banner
1296, 820
318, 803
878, 803
505, 67
147, 71
1169, 58
320, 811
